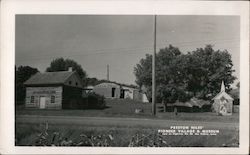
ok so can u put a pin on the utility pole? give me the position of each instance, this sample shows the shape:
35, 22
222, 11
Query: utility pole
108, 72
153, 71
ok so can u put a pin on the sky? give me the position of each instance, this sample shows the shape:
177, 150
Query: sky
120, 41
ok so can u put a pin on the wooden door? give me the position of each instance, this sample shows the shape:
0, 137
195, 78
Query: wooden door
42, 102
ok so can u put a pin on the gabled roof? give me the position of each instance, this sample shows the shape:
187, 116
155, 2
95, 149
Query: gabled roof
49, 78
223, 94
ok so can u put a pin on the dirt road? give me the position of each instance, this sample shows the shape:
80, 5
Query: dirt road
121, 122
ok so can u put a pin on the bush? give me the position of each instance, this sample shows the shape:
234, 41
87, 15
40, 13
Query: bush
94, 101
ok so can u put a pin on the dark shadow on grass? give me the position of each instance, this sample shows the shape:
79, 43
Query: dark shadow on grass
194, 109
97, 108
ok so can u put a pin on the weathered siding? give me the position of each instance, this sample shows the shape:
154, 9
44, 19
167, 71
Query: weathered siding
74, 81
72, 97
46, 92
107, 92
105, 89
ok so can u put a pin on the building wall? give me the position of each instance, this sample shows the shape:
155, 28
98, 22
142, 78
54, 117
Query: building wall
144, 98
74, 81
105, 89
37, 92
71, 97
128, 92
228, 105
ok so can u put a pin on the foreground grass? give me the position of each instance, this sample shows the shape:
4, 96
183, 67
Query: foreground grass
76, 135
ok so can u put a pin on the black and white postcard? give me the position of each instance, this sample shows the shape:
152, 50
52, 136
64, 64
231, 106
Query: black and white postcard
124, 77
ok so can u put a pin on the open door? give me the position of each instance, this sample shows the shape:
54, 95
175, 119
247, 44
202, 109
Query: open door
113, 92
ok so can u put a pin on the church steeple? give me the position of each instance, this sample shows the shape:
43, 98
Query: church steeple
222, 88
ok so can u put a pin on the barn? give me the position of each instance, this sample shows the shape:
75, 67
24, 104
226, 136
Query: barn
109, 90
121, 91
53, 90
223, 102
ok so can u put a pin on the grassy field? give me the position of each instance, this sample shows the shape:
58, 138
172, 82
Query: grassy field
126, 108
123, 136
61, 135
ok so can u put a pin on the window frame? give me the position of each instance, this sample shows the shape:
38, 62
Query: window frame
52, 99
32, 99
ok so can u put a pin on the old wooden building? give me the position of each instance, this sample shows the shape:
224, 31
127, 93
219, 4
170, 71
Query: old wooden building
109, 90
53, 90
121, 91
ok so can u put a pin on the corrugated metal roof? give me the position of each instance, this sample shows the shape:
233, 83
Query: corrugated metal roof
49, 78
107, 84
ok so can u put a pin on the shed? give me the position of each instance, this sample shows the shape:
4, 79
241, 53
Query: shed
223, 102
108, 90
115, 90
53, 90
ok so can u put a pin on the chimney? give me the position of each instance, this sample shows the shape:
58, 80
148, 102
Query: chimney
70, 69
108, 72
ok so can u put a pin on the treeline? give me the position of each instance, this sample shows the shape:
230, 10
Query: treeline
182, 76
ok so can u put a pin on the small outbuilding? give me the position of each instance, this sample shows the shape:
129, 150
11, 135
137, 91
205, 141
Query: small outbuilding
109, 90
119, 91
223, 102
53, 90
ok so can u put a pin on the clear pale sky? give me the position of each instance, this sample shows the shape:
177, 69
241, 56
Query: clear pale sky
121, 41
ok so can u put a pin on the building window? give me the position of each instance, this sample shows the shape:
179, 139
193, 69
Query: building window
52, 99
70, 82
32, 99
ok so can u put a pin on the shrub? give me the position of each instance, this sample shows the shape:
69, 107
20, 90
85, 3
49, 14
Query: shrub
94, 101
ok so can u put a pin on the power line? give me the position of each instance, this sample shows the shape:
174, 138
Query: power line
128, 50
146, 46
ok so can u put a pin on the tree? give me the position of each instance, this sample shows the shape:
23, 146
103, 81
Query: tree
91, 81
164, 73
210, 69
60, 64
22, 74
238, 85
182, 76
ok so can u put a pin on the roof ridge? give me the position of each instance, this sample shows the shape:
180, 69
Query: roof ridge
222, 93
56, 71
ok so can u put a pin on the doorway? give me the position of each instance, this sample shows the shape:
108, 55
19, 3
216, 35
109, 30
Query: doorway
113, 92
122, 93
42, 102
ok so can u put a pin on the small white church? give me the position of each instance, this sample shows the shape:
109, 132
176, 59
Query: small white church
223, 102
